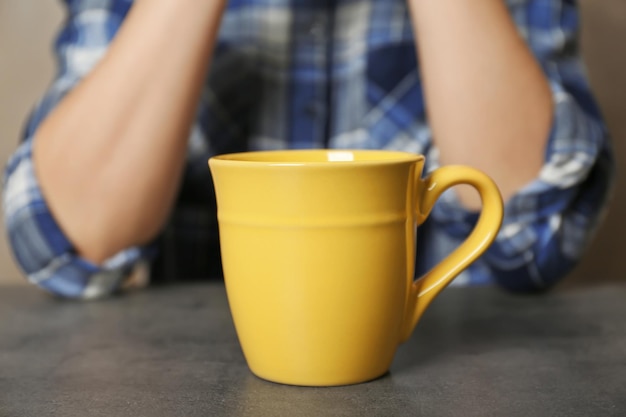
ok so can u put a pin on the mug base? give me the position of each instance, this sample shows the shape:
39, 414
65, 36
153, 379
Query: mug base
319, 383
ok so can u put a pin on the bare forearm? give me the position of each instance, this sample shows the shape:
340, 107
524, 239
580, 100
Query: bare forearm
489, 103
110, 156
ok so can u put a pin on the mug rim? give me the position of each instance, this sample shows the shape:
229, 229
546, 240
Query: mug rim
342, 157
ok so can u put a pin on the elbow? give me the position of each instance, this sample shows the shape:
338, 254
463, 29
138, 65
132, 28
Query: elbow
554, 247
536, 255
53, 271
49, 261
64, 275
38, 246
532, 278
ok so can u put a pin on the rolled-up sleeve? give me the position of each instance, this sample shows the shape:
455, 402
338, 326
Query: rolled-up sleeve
550, 222
40, 247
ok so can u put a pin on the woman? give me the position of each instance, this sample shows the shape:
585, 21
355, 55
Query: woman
113, 162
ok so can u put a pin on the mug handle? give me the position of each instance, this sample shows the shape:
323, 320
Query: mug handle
424, 290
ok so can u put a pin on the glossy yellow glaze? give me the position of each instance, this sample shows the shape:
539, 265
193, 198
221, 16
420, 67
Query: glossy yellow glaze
318, 254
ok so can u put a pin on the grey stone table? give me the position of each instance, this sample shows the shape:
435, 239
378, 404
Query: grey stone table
173, 351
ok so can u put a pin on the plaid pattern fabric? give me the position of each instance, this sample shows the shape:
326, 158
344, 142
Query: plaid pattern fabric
336, 74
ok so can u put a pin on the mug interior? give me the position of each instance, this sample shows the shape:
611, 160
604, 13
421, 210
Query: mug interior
306, 157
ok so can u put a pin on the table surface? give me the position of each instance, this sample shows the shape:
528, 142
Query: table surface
173, 351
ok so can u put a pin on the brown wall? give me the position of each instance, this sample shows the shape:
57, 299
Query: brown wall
604, 32
27, 28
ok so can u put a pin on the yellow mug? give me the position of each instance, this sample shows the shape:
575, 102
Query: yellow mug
318, 251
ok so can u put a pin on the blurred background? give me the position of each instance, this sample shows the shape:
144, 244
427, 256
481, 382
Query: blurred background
28, 27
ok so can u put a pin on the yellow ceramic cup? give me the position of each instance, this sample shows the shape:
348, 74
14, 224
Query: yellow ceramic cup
318, 250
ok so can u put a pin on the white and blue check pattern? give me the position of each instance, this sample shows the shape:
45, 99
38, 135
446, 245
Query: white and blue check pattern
337, 74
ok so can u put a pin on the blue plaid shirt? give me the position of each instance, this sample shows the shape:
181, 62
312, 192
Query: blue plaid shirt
337, 74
